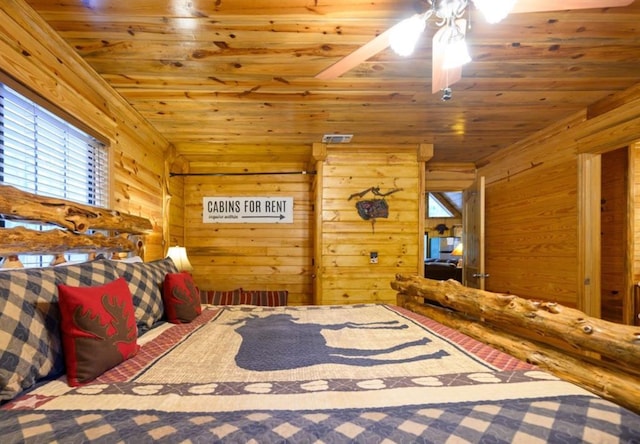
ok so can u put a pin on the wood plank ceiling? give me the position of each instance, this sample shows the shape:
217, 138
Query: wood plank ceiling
235, 79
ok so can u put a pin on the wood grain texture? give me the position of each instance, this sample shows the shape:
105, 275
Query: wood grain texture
34, 55
346, 240
251, 256
230, 74
555, 352
16, 204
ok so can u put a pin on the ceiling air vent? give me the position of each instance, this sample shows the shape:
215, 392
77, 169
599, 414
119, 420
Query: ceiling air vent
337, 138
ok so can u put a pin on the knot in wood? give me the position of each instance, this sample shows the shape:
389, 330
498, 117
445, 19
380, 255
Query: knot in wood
552, 307
587, 329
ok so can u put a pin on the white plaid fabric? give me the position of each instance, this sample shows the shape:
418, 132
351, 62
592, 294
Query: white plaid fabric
145, 281
87, 274
30, 347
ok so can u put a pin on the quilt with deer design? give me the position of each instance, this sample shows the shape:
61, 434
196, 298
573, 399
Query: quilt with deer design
367, 373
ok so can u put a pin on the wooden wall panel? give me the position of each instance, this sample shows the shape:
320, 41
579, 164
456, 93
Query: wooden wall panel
250, 256
346, 240
534, 243
449, 176
531, 241
35, 58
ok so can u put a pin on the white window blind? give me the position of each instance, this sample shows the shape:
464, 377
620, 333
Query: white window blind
42, 154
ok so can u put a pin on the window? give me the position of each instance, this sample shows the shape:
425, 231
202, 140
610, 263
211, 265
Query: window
444, 204
42, 154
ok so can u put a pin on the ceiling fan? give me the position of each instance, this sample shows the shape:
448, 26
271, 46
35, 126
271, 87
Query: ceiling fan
449, 48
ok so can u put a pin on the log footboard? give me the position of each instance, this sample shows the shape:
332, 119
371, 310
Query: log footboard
600, 356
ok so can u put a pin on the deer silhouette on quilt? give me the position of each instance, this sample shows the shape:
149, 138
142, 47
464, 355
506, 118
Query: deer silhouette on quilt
277, 342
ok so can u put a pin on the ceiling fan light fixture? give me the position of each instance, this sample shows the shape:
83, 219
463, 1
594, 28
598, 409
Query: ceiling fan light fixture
404, 36
454, 46
457, 54
494, 10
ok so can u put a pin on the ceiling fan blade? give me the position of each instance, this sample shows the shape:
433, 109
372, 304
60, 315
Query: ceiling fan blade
442, 77
555, 5
365, 52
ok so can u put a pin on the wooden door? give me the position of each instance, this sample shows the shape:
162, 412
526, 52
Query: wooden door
473, 235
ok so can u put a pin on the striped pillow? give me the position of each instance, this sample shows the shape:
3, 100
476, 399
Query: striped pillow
265, 298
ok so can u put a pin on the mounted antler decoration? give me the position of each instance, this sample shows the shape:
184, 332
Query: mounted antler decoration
371, 209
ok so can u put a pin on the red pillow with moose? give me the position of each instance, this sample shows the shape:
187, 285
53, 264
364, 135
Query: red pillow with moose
181, 298
98, 329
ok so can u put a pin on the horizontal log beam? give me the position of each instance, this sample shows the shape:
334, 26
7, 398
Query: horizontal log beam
21, 240
545, 321
599, 378
20, 205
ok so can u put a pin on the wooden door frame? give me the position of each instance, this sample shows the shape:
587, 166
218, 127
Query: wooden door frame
589, 248
589, 237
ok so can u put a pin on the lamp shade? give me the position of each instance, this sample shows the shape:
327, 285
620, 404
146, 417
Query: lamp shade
179, 257
457, 251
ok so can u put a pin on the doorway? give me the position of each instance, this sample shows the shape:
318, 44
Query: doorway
615, 280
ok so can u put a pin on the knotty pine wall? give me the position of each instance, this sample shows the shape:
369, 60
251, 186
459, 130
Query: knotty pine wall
533, 204
35, 58
344, 240
250, 256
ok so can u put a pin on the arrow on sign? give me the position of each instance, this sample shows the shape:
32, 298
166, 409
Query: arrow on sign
264, 217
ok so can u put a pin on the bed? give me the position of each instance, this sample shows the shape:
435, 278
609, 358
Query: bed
367, 373
246, 373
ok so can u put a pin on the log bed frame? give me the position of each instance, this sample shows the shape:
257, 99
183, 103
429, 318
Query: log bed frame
75, 223
601, 356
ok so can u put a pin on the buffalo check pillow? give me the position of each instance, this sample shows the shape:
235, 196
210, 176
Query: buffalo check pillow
145, 280
30, 346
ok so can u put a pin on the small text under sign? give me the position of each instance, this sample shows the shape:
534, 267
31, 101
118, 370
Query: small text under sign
247, 210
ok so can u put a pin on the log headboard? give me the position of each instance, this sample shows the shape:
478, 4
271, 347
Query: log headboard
78, 228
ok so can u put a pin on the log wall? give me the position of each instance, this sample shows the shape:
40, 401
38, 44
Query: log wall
32, 54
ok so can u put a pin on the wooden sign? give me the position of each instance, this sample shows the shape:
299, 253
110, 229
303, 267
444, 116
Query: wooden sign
247, 210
